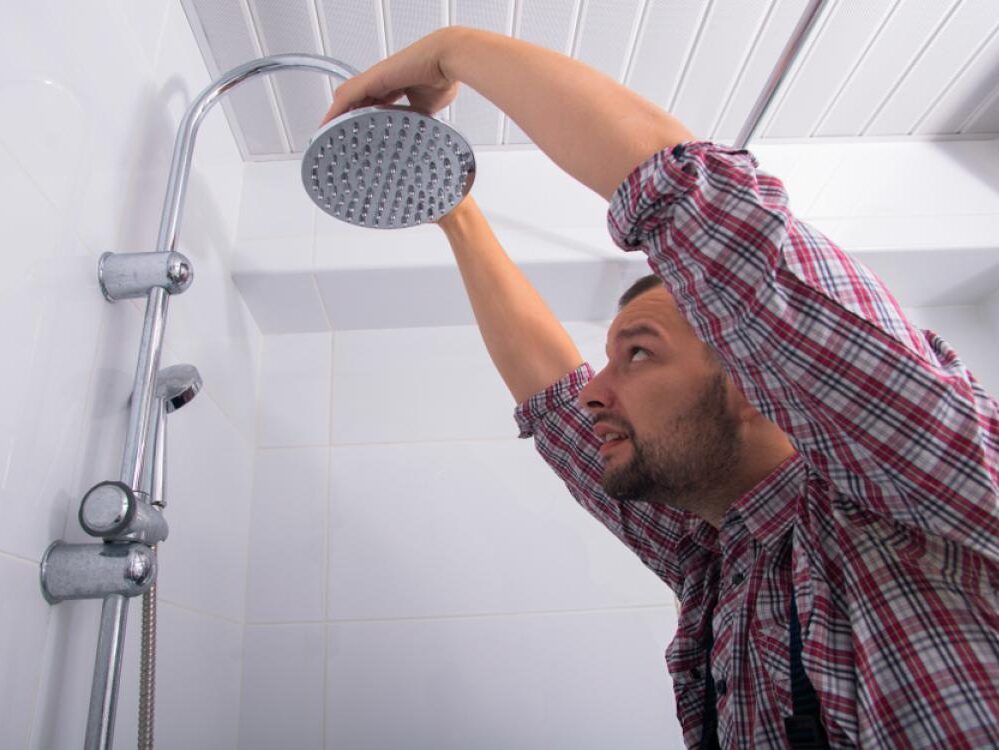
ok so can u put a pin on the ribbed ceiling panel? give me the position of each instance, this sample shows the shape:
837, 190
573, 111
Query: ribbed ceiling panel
231, 42
871, 67
724, 42
782, 18
353, 31
474, 116
849, 30
975, 84
947, 53
987, 120
663, 45
547, 23
904, 36
607, 34
409, 20
290, 26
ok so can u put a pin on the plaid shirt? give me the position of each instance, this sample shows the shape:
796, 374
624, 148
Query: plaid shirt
885, 520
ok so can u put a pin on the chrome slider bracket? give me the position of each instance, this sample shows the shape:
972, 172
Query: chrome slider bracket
95, 571
129, 275
112, 511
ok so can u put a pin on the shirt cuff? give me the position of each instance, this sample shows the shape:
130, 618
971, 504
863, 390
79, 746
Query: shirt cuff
552, 398
640, 205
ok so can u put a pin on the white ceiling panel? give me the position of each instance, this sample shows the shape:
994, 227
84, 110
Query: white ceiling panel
972, 87
780, 23
906, 33
353, 31
927, 80
664, 43
291, 26
474, 116
987, 119
547, 23
722, 46
409, 20
850, 28
606, 34
870, 68
226, 29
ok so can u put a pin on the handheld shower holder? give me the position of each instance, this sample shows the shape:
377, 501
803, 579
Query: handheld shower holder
129, 275
96, 571
113, 512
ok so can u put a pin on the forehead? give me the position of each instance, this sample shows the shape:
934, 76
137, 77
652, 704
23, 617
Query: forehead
655, 307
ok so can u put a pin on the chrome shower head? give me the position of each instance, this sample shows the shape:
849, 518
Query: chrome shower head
177, 384
387, 167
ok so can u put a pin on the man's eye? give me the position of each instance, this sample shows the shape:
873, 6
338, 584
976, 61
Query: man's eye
637, 354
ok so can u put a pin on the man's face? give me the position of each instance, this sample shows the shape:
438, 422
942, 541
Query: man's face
663, 408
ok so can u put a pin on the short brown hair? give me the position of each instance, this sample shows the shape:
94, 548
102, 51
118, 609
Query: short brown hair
641, 286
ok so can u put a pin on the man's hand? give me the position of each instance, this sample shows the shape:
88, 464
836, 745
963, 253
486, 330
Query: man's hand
415, 72
594, 128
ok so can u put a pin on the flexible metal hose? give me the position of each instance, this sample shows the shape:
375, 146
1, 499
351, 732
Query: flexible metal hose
147, 670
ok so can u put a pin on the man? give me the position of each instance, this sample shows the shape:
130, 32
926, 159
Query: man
814, 477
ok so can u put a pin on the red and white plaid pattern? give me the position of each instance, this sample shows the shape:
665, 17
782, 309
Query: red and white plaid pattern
887, 518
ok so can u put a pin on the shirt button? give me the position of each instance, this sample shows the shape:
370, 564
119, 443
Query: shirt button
695, 673
721, 686
737, 579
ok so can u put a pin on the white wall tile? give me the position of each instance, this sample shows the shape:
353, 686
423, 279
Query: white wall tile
422, 530
276, 206
282, 701
528, 682
294, 394
286, 579
283, 302
404, 385
24, 620
209, 476
414, 384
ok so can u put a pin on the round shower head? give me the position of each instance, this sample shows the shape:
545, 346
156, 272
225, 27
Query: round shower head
177, 385
387, 167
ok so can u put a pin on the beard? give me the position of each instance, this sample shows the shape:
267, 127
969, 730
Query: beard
686, 460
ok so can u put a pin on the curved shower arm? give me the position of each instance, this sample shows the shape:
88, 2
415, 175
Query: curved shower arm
184, 146
104, 690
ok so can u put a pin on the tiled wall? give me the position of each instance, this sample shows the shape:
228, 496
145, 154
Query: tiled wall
91, 95
419, 578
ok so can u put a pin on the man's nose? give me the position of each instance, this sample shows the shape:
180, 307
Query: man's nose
596, 394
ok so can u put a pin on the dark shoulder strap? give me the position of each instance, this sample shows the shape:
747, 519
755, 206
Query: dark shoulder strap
804, 729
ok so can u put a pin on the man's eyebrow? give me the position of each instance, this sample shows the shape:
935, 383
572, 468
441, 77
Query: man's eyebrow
639, 329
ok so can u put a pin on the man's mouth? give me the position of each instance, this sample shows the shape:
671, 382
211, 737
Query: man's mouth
611, 440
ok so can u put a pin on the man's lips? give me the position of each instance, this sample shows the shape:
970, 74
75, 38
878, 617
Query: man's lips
610, 437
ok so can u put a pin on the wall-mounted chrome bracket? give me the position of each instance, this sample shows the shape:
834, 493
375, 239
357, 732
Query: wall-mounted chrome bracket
113, 512
128, 275
95, 571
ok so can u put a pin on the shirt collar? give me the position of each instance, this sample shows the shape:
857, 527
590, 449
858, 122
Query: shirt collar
768, 510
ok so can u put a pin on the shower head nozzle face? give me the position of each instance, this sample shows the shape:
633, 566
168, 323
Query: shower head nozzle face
387, 167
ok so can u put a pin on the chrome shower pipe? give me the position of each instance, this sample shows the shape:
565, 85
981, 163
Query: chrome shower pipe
103, 696
792, 49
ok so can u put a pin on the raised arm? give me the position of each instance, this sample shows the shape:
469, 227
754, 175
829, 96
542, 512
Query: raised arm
587, 123
528, 345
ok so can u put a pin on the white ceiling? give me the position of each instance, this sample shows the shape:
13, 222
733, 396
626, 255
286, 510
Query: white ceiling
871, 68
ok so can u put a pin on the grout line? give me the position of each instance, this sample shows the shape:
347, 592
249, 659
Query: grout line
4, 555
431, 441
326, 578
635, 608
202, 612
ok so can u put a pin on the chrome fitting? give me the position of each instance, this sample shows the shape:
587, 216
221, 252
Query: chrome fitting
112, 511
128, 275
94, 571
